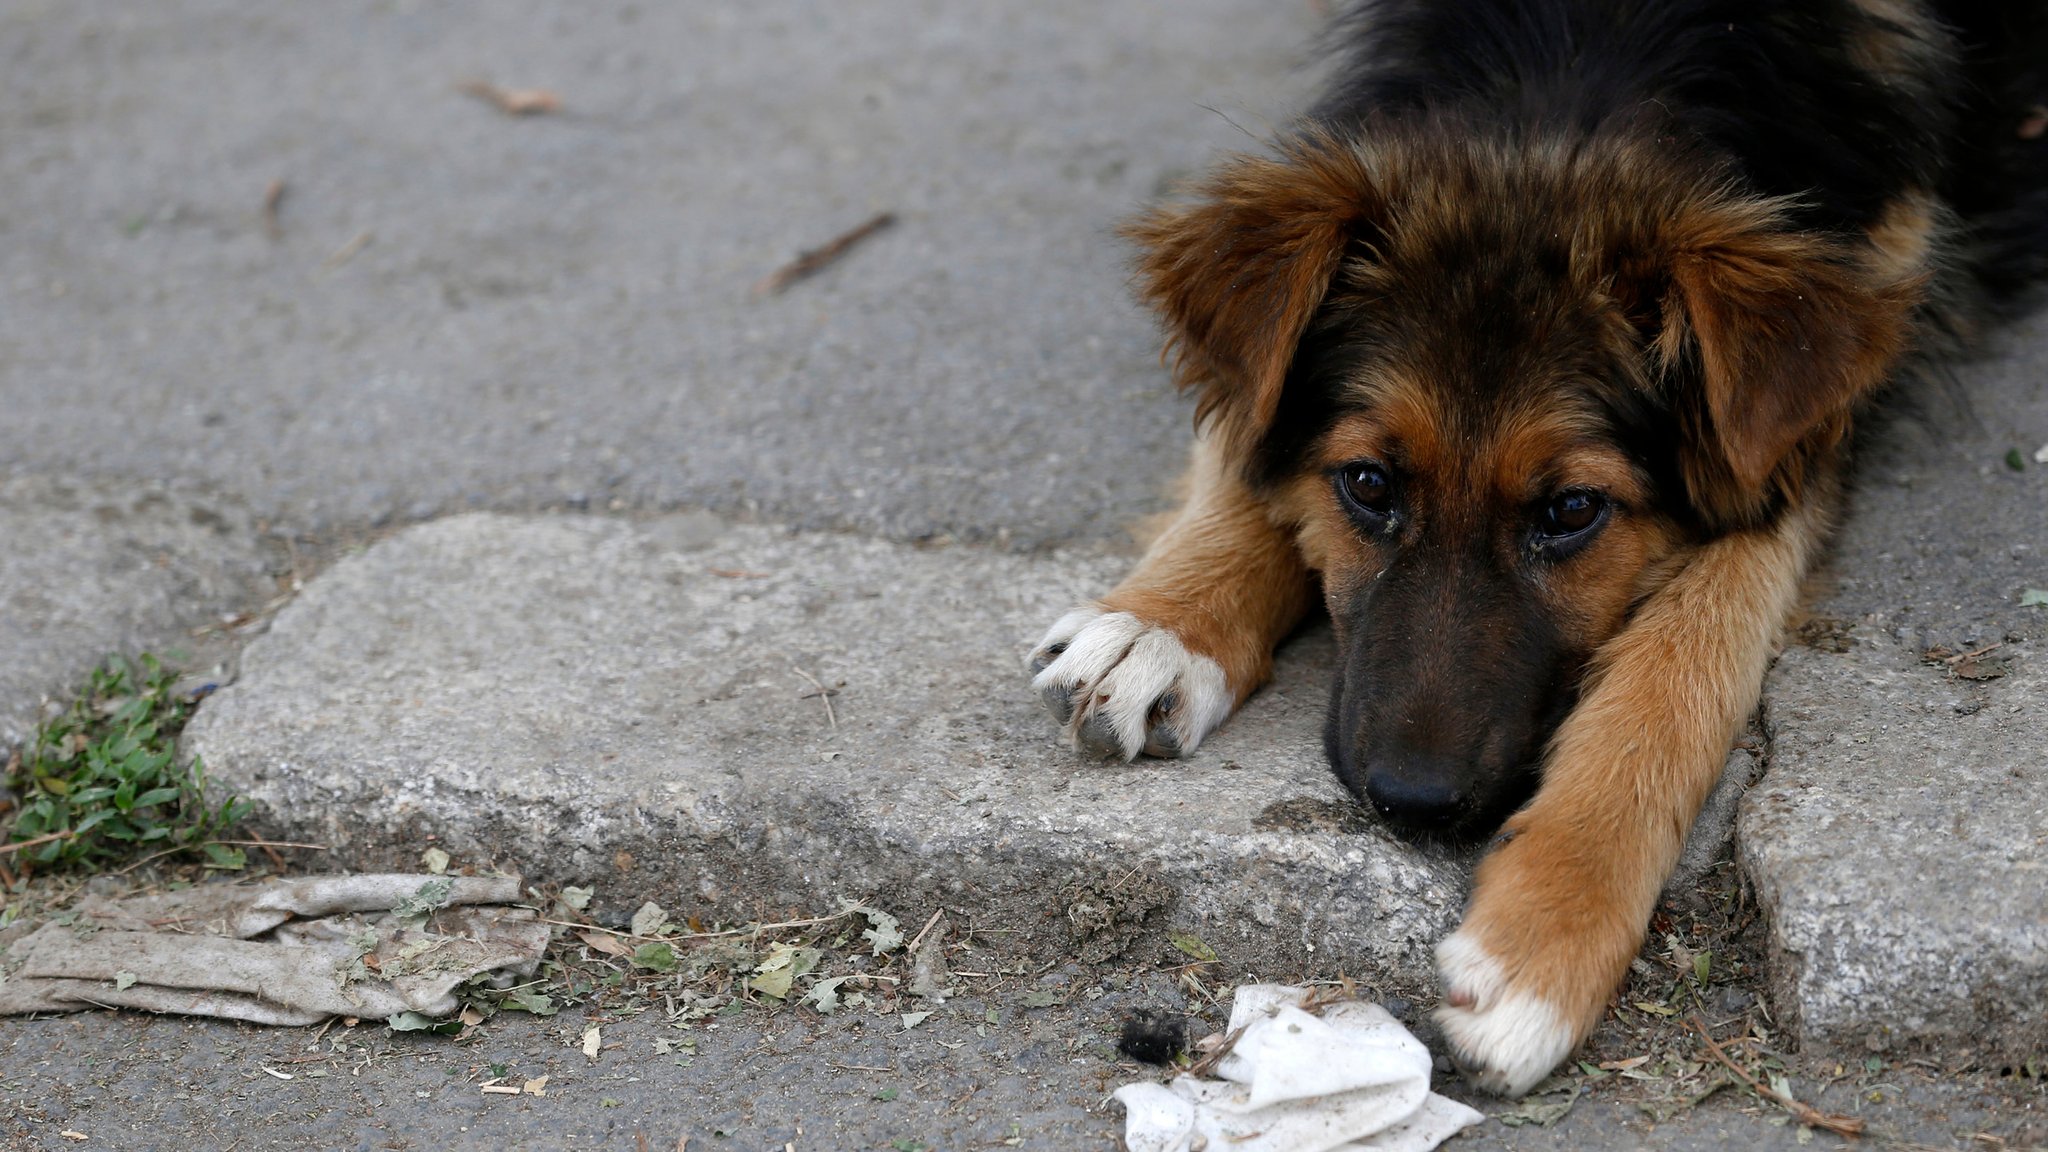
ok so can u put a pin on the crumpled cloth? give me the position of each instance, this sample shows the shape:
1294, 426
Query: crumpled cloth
1350, 1080
281, 952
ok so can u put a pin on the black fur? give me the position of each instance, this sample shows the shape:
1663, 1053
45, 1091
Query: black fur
1775, 86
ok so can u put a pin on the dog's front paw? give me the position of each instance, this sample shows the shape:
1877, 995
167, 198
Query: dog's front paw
1121, 686
1504, 1035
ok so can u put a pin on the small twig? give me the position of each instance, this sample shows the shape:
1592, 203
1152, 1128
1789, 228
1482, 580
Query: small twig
919, 938
1954, 658
859, 1067
1804, 1113
18, 845
266, 845
273, 197
512, 101
823, 693
814, 260
347, 252
1214, 1056
755, 930
1318, 999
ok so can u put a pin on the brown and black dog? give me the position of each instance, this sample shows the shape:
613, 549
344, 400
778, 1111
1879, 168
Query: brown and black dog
1533, 356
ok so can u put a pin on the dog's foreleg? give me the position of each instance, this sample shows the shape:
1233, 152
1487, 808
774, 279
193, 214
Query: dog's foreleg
1159, 662
1560, 906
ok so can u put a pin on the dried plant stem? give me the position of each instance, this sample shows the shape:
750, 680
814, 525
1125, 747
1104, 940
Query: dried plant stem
1804, 1113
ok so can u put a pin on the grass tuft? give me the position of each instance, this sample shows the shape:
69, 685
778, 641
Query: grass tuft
102, 783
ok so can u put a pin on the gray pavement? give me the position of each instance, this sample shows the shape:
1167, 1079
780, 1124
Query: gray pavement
986, 1072
91, 569
925, 450
557, 311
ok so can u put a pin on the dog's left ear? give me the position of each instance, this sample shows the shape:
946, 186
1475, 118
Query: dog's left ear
1791, 332
1238, 274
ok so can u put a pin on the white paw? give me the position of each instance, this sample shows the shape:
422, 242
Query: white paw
1505, 1041
1122, 686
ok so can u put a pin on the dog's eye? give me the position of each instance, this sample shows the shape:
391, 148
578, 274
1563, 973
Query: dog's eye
1571, 513
1366, 487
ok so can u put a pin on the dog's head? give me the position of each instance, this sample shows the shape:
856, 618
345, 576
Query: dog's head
1501, 390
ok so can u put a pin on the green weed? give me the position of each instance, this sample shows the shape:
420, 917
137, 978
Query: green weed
102, 782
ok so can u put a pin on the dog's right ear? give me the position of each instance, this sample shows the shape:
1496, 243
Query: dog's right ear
1238, 274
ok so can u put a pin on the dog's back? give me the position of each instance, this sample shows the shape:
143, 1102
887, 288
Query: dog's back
1842, 106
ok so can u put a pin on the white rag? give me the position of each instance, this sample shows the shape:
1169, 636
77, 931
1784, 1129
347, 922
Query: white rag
1350, 1080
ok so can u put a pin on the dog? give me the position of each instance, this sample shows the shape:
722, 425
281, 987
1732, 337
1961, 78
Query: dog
1533, 355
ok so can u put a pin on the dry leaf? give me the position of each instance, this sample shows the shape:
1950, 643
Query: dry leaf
538, 1086
514, 101
1542, 1111
606, 943
649, 920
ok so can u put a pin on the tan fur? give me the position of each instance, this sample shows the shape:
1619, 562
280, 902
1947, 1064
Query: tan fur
1222, 575
1793, 333
1902, 240
1563, 903
1239, 274
1902, 44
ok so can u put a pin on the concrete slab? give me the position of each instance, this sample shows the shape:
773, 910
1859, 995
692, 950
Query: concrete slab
1899, 841
93, 569
575, 696
465, 309
1900, 845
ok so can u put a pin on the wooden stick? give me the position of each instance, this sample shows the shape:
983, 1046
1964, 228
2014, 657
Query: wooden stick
817, 259
919, 938
273, 196
823, 693
18, 845
1804, 1113
1209, 1060
513, 101
266, 845
681, 937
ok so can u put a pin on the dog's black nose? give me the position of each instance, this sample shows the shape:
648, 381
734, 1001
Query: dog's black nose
1410, 800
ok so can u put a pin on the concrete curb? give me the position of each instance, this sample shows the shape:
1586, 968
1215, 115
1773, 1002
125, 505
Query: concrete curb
1897, 845
579, 697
